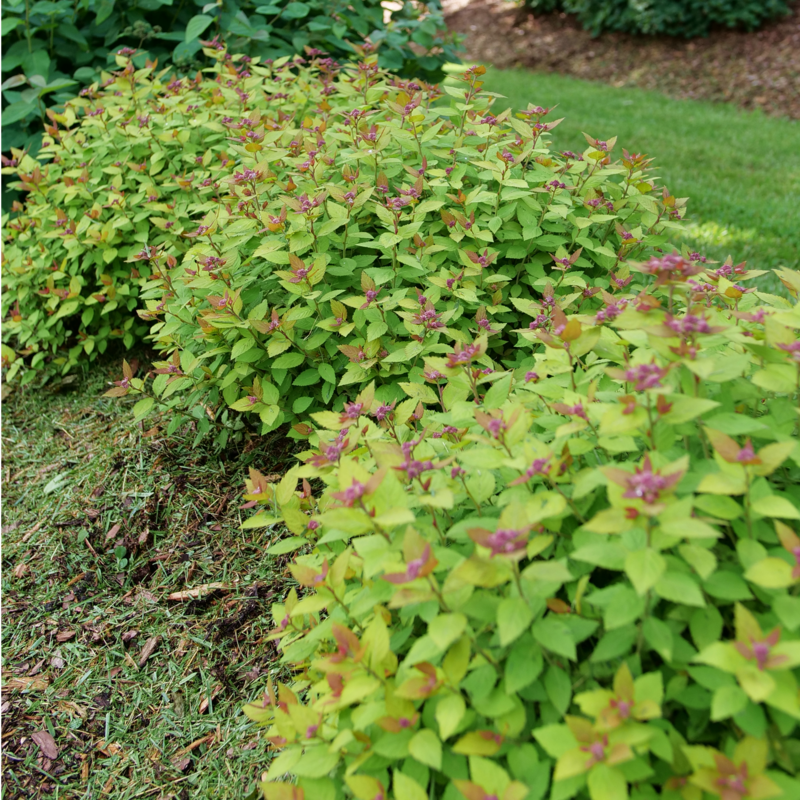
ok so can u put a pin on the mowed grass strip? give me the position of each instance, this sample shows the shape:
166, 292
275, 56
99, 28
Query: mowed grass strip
110, 688
740, 170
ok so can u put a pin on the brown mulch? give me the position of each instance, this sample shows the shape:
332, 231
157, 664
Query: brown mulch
751, 70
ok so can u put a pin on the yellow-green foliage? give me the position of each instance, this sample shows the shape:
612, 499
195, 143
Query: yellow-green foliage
577, 579
293, 232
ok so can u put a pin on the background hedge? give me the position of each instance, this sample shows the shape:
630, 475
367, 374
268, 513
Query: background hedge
53, 47
685, 18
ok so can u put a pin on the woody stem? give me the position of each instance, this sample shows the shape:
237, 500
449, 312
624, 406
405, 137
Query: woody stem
569, 502
747, 515
650, 434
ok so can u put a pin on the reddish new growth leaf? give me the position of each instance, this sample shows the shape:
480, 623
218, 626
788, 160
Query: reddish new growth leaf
171, 368
613, 308
299, 271
622, 707
643, 376
565, 263
791, 542
507, 542
576, 410
481, 260
428, 317
355, 353
258, 487
730, 451
276, 223
121, 388
395, 725
754, 645
671, 268
353, 494
421, 687
689, 325
646, 484
596, 745
419, 567
539, 466
348, 646
307, 576
493, 422
329, 453
740, 777
223, 303
465, 354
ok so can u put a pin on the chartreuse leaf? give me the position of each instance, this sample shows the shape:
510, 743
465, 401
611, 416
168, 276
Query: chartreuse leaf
702, 560
363, 787
406, 788
498, 393
723, 483
776, 506
316, 762
679, 588
446, 628
658, 635
143, 408
449, 713
476, 743
683, 409
426, 748
771, 573
718, 506
607, 783
555, 636
727, 702
615, 643
645, 568
489, 774
555, 739
262, 520
524, 664
514, 616
558, 687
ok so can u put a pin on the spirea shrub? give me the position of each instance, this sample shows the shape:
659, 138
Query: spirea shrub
293, 231
684, 18
577, 578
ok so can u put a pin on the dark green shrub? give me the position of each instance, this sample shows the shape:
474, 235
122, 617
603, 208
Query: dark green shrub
685, 18
576, 579
292, 250
52, 45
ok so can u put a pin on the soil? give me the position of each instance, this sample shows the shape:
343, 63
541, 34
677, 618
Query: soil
759, 70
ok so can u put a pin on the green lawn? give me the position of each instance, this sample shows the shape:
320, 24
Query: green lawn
741, 170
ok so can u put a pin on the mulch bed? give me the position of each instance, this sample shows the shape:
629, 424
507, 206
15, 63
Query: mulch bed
752, 70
